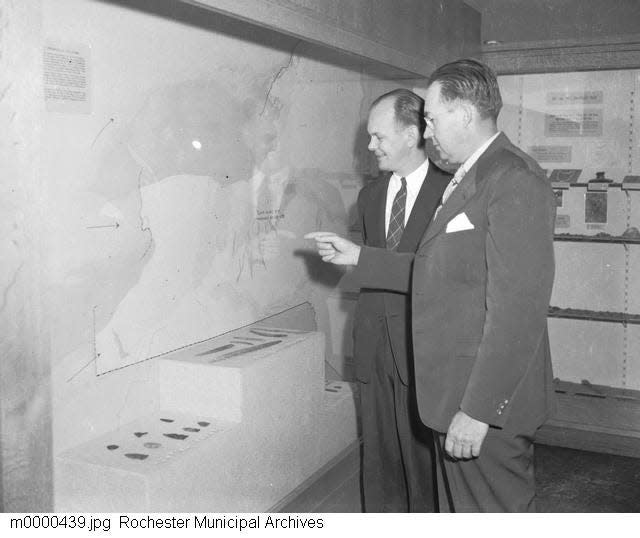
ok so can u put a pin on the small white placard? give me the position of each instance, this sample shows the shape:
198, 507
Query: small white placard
67, 85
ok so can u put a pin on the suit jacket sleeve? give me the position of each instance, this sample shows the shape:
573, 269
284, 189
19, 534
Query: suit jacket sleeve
520, 268
379, 268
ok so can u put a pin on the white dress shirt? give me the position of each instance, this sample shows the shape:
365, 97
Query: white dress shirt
466, 165
476, 154
414, 183
461, 171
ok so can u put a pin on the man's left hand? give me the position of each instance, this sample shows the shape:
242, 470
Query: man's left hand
465, 436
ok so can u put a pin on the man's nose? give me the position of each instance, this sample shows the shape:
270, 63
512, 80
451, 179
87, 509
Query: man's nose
428, 133
371, 146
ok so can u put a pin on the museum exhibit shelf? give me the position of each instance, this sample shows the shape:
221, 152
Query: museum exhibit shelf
595, 185
591, 416
630, 183
593, 315
575, 238
243, 422
594, 417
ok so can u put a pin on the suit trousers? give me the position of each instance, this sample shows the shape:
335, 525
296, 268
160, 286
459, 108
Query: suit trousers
398, 470
501, 479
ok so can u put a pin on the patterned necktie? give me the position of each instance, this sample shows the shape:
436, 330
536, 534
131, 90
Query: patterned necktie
455, 180
396, 220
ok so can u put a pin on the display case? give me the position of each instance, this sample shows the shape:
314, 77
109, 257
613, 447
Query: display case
582, 128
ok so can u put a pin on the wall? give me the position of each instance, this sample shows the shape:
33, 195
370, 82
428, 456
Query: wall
517, 21
410, 35
545, 36
25, 392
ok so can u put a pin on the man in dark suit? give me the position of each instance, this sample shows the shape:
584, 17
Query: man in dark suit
393, 214
480, 283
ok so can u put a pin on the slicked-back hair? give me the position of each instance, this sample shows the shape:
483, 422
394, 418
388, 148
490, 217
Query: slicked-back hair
471, 81
408, 109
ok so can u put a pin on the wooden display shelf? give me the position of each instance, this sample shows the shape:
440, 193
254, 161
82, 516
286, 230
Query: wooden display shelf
594, 417
596, 186
560, 184
617, 239
591, 315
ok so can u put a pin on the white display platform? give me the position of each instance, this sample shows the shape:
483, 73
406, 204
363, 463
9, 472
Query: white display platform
246, 418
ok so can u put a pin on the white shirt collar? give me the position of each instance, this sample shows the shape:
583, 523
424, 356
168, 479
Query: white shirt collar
466, 165
414, 179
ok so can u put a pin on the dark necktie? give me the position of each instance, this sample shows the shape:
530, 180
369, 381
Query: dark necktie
396, 220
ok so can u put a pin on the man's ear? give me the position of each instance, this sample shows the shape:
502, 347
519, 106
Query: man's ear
413, 134
469, 112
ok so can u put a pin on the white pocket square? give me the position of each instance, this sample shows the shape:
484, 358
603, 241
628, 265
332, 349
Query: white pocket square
459, 223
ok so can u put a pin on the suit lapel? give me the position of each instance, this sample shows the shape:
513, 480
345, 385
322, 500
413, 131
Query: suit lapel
465, 191
374, 218
428, 199
458, 199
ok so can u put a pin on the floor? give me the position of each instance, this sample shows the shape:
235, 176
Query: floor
568, 481
577, 481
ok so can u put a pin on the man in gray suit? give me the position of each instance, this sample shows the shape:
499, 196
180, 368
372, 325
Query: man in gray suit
393, 214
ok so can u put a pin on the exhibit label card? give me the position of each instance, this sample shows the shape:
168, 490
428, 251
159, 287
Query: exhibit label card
67, 86
551, 154
574, 123
587, 97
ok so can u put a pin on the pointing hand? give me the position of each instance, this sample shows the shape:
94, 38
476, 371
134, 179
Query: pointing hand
335, 249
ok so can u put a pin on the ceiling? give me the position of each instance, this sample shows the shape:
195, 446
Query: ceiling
518, 21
